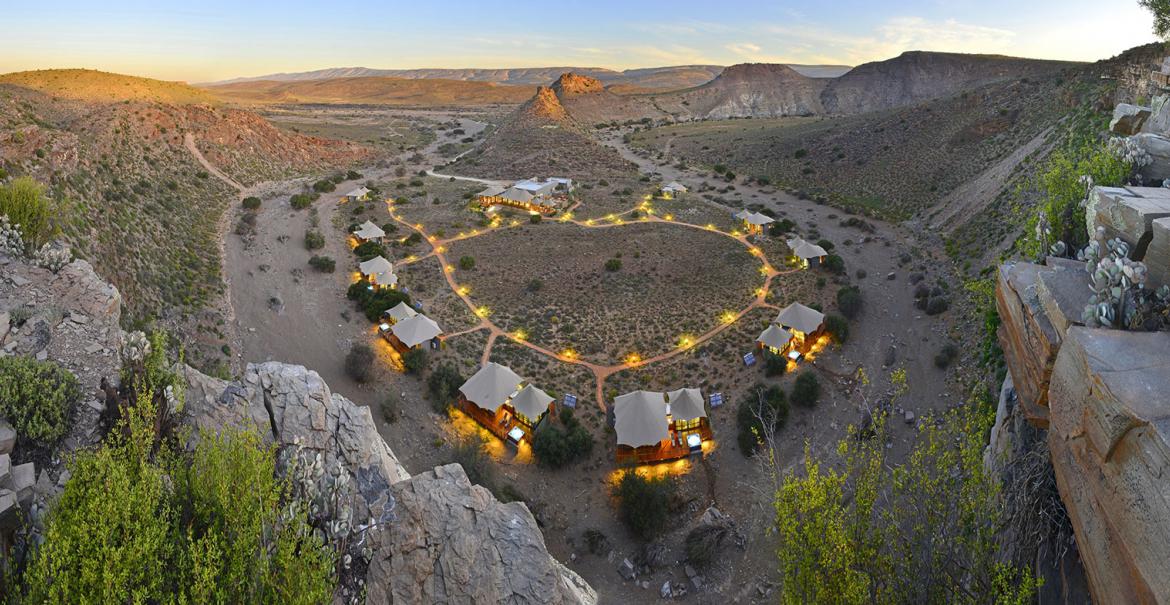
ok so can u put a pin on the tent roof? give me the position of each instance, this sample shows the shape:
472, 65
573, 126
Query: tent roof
491, 192
800, 318
368, 230
531, 401
805, 249
517, 195
743, 214
775, 337
674, 186
401, 311
756, 218
359, 192
640, 418
385, 278
491, 386
686, 404
376, 265
416, 330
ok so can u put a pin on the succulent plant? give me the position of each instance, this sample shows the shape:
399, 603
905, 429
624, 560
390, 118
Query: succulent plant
11, 241
1119, 298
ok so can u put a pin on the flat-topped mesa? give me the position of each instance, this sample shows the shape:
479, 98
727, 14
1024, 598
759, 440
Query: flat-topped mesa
759, 72
570, 84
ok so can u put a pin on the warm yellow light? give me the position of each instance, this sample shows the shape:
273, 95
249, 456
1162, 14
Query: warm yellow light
711, 226
759, 291
482, 312
610, 216
432, 238
685, 342
411, 258
668, 217
520, 335
569, 354
633, 358
589, 222
735, 232
464, 290
450, 268
418, 225
440, 249
568, 216
727, 317
515, 223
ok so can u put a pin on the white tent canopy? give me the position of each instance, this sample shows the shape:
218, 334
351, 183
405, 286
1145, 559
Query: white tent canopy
517, 195
686, 404
416, 330
358, 193
492, 191
491, 386
375, 266
368, 230
774, 337
531, 402
800, 318
806, 250
640, 418
674, 186
400, 312
759, 220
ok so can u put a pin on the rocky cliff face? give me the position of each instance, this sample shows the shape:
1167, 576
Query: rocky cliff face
430, 538
570, 84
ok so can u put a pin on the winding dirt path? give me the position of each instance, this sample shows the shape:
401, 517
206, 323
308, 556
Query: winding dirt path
189, 142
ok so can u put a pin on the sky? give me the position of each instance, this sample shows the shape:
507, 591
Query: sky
212, 40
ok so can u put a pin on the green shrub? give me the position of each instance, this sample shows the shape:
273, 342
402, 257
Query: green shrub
314, 240
414, 361
24, 202
377, 302
443, 386
945, 356
324, 186
807, 389
324, 264
367, 250
389, 409
251, 203
838, 328
849, 301
833, 264
534, 219
37, 397
300, 201
826, 244
352, 175
467, 263
800, 153
557, 447
613, 264
359, 362
644, 503
774, 365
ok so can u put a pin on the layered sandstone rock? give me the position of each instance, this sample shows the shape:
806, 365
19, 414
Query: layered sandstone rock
1130, 213
1026, 335
1110, 444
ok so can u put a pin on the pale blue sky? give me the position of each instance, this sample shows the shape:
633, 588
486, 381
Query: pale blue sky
218, 39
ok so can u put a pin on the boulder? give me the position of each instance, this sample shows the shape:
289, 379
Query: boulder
5, 471
1158, 147
7, 437
1063, 292
24, 479
1128, 119
453, 542
1157, 257
1110, 447
1026, 335
1128, 213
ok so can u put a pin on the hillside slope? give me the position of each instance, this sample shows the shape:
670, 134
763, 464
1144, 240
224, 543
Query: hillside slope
137, 203
376, 90
101, 87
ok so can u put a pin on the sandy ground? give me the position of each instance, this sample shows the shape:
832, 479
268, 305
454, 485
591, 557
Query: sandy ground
286, 311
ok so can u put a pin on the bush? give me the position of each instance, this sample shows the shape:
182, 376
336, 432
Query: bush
324, 264
937, 304
702, 544
770, 403
774, 365
826, 244
24, 202
367, 250
37, 397
534, 285
359, 362
324, 186
945, 356
833, 264
389, 407
314, 240
838, 328
470, 453
807, 389
613, 264
849, 301
173, 523
414, 361
443, 386
300, 201
374, 304
557, 447
800, 153
467, 263
251, 203
644, 503
535, 219
352, 175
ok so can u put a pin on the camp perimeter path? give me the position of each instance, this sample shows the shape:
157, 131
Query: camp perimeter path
600, 372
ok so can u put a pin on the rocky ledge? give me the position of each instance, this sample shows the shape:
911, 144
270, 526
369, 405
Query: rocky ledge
432, 538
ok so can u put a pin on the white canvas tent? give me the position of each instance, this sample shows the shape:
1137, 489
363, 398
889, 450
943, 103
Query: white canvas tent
369, 231
640, 418
673, 187
517, 195
416, 330
774, 337
491, 386
492, 191
686, 404
376, 266
360, 193
400, 312
531, 402
800, 318
805, 249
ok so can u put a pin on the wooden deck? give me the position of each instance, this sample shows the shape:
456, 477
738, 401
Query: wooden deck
673, 449
499, 424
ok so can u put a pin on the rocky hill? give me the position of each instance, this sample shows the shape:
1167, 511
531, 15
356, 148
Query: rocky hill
374, 90
137, 200
102, 87
541, 138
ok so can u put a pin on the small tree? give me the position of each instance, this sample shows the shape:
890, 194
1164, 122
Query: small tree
1161, 12
644, 503
807, 389
467, 263
414, 361
557, 447
534, 219
763, 411
838, 328
443, 386
613, 264
323, 264
314, 240
251, 203
834, 264
774, 365
359, 362
849, 301
25, 204
367, 250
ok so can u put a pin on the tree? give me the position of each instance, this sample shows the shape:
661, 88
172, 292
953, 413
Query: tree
467, 263
849, 301
838, 328
414, 361
1161, 11
763, 411
359, 362
443, 385
807, 389
834, 264
27, 207
644, 503
324, 186
37, 397
534, 219
324, 264
613, 264
556, 447
251, 203
774, 365
367, 250
314, 240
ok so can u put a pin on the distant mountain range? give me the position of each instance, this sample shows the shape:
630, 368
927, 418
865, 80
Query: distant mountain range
678, 76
